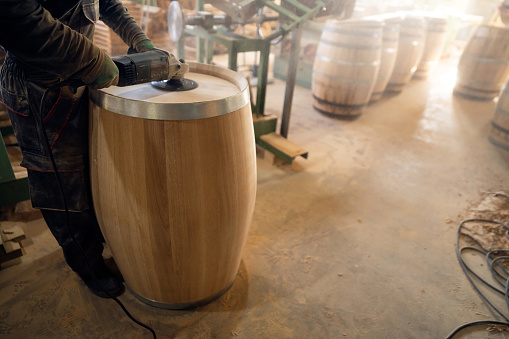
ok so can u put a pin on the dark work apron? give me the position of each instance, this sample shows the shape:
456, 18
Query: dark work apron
65, 117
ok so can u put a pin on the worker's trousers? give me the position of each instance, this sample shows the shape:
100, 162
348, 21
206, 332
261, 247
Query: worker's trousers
64, 117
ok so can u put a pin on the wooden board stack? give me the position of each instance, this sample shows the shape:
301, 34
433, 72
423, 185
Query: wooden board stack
105, 38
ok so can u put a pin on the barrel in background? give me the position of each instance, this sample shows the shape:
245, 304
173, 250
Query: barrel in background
412, 36
390, 43
346, 67
173, 179
436, 29
484, 64
499, 132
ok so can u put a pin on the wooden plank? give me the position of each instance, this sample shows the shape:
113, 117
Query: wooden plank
11, 246
284, 145
9, 256
13, 233
21, 174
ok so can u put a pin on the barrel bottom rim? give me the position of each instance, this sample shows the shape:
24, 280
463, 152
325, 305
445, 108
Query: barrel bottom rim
339, 116
472, 97
419, 76
376, 96
497, 143
180, 306
393, 90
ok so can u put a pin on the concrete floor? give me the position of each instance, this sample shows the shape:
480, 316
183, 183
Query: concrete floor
357, 241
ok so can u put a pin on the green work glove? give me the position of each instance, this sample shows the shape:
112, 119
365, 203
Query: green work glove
144, 45
108, 76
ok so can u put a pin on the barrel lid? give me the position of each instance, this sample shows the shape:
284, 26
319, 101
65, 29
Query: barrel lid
486, 28
413, 20
369, 29
220, 91
354, 23
437, 19
387, 18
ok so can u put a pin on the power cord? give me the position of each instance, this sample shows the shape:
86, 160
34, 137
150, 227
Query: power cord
73, 85
498, 272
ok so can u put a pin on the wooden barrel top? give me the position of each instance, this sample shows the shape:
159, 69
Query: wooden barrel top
220, 91
209, 88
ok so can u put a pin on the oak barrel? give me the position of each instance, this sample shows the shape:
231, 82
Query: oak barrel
484, 64
173, 179
499, 132
436, 29
389, 51
412, 35
346, 67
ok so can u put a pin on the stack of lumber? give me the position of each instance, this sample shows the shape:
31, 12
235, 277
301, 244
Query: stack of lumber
154, 22
152, 19
109, 41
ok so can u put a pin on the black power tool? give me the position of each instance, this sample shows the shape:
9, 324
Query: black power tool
157, 66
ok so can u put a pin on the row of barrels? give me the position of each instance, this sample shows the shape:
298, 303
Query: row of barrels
358, 60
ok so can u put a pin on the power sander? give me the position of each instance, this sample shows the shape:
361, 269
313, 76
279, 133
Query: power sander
162, 69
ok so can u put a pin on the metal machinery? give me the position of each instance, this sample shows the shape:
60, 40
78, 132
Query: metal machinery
290, 15
13, 186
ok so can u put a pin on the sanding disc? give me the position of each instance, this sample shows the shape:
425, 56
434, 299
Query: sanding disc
174, 85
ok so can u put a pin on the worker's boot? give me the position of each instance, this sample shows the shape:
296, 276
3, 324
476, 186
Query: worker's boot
83, 236
103, 283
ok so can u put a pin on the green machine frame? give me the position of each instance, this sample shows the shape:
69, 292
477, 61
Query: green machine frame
12, 190
235, 44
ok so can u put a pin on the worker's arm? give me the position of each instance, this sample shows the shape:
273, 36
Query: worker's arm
36, 38
121, 22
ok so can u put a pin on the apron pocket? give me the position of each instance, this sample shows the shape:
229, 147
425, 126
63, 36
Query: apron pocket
91, 10
44, 189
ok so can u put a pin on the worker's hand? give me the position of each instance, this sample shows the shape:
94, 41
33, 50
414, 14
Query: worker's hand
108, 76
144, 45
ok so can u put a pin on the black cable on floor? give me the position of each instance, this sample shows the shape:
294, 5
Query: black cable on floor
472, 324
64, 199
499, 273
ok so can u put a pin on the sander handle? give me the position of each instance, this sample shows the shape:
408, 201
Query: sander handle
153, 65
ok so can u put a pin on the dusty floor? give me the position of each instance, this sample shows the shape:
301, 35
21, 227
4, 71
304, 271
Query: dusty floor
358, 241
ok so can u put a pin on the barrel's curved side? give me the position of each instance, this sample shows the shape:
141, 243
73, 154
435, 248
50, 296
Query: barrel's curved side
174, 200
410, 49
483, 67
480, 78
499, 132
435, 40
